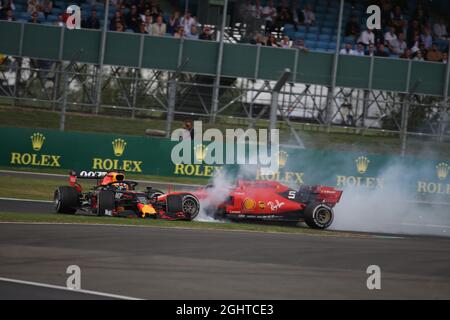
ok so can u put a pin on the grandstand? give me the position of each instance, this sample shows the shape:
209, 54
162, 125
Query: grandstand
137, 69
321, 36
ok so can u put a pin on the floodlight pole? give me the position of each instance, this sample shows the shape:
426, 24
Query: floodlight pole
98, 88
335, 67
216, 89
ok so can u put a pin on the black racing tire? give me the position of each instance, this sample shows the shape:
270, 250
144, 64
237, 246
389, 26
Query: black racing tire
217, 214
66, 200
190, 206
106, 202
318, 216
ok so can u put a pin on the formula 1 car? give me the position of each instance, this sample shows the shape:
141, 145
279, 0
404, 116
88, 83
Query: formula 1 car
272, 201
117, 197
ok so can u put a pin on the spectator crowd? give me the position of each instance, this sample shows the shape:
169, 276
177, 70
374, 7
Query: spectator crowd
407, 33
139, 16
409, 37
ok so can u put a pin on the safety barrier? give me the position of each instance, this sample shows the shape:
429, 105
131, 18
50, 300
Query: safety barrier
37, 148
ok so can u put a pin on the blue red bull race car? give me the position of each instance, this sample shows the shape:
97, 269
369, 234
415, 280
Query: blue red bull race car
115, 196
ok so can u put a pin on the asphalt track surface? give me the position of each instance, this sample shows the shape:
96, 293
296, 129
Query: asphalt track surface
19, 291
167, 263
11, 205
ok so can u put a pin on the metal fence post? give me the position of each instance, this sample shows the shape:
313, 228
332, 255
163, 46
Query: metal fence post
98, 88
136, 76
404, 124
216, 89
135, 86
19, 63
274, 99
366, 93
335, 66
62, 117
18, 78
58, 69
411, 90
171, 100
444, 116
172, 89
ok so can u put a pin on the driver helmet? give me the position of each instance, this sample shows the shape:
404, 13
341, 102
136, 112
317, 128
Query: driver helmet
115, 179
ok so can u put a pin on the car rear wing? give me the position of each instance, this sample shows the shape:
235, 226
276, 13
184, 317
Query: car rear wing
74, 175
329, 195
88, 174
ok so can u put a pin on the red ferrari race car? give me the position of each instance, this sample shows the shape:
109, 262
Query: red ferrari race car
117, 197
270, 200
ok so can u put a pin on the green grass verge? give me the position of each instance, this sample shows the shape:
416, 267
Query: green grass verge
77, 219
337, 138
36, 118
31, 188
36, 188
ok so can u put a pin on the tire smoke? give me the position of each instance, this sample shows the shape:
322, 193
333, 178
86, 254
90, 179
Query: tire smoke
218, 191
392, 208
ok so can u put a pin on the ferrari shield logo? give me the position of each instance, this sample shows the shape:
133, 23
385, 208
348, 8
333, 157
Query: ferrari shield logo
249, 204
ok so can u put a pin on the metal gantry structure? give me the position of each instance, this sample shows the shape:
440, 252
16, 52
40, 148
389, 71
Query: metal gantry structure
127, 91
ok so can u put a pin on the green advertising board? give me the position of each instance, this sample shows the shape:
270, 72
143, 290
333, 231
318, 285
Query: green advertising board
38, 148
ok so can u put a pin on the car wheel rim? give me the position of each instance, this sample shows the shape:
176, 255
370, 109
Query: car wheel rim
56, 201
189, 206
323, 216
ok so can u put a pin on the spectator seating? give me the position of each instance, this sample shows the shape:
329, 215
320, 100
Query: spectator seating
320, 37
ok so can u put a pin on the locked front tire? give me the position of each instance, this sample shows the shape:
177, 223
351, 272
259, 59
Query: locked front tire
66, 200
106, 202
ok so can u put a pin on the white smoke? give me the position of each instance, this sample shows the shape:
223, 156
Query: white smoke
221, 184
391, 209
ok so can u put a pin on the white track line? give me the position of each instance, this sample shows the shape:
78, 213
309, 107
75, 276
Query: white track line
56, 175
51, 286
26, 200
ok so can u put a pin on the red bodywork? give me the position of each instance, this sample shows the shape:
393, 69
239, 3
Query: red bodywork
267, 199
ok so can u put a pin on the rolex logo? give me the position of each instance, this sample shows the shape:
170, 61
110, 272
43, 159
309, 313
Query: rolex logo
37, 140
119, 147
200, 152
361, 164
442, 170
282, 158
